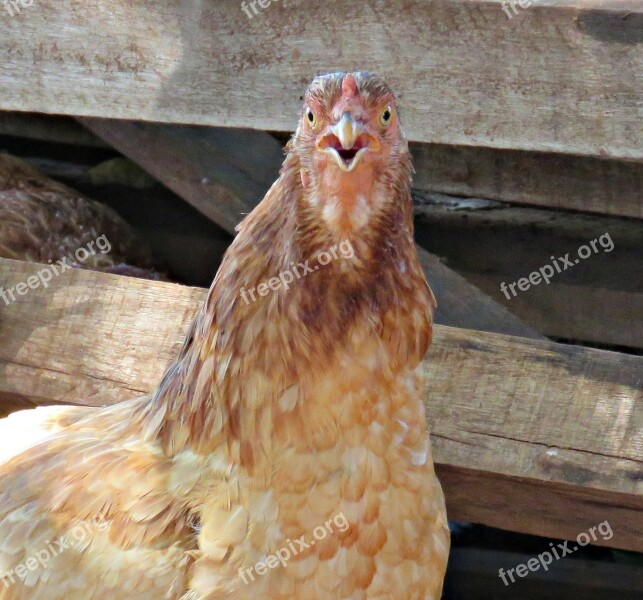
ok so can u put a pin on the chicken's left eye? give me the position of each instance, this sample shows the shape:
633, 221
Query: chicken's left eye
310, 115
386, 116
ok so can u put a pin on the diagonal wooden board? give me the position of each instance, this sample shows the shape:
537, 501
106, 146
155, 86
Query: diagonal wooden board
558, 76
529, 435
224, 173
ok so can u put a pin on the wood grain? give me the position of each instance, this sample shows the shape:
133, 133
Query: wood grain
461, 304
225, 173
558, 76
529, 435
567, 182
48, 350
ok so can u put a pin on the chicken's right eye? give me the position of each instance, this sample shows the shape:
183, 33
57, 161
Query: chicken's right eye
310, 115
385, 117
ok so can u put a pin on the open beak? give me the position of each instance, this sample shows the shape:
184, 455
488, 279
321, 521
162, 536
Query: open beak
347, 141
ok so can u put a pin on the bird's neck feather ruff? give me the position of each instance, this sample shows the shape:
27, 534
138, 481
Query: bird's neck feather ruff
241, 357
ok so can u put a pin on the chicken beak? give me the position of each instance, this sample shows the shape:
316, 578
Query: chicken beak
347, 141
347, 131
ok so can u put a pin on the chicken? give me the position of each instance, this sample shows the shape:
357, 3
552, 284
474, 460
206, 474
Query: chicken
43, 221
285, 453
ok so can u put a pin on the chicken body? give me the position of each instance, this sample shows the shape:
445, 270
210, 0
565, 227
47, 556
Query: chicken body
285, 453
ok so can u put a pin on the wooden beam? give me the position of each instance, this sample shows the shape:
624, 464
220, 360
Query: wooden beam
598, 299
69, 367
560, 76
529, 435
551, 180
225, 173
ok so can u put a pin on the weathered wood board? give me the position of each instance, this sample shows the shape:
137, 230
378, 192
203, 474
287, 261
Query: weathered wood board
560, 76
529, 435
223, 173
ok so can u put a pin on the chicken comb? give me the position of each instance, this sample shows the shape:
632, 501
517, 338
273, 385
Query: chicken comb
349, 86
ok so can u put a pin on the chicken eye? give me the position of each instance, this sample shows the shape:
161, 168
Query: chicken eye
310, 115
386, 116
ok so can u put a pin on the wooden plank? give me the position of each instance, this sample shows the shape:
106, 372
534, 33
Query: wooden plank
35, 369
225, 173
598, 299
529, 435
552, 180
562, 76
